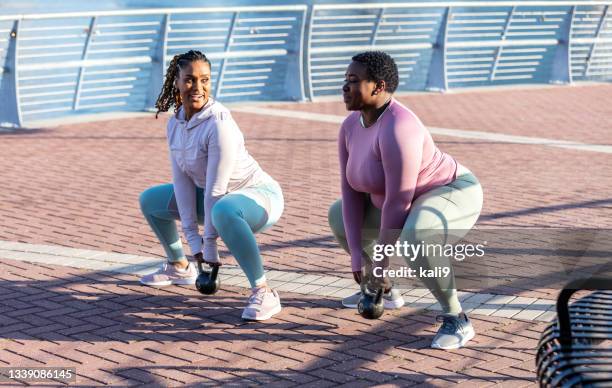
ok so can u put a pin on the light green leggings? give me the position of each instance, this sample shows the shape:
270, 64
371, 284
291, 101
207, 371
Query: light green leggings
452, 208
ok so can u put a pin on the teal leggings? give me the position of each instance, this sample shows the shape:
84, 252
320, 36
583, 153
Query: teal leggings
453, 208
236, 216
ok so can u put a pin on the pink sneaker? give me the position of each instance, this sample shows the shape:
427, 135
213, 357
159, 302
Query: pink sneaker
262, 305
168, 274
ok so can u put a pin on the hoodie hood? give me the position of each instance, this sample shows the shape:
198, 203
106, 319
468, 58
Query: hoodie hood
198, 118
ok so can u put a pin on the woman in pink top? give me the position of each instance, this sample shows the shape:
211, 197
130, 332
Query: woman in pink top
397, 186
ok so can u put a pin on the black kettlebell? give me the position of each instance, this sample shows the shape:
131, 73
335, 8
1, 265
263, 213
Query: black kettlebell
371, 305
208, 282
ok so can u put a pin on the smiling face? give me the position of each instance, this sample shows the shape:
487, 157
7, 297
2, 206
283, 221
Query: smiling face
194, 82
357, 91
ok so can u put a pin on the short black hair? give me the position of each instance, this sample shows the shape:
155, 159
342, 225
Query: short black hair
380, 66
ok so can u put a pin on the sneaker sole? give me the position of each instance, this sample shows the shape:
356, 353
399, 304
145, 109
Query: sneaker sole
178, 282
275, 311
394, 304
349, 306
464, 341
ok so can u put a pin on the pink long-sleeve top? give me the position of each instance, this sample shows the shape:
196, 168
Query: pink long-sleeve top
395, 160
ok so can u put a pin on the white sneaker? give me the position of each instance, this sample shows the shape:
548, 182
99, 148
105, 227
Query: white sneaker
168, 274
454, 333
262, 305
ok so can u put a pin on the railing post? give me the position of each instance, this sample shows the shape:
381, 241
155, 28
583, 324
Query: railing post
436, 79
77, 93
600, 27
498, 53
294, 80
309, 19
377, 26
562, 64
228, 43
158, 65
10, 112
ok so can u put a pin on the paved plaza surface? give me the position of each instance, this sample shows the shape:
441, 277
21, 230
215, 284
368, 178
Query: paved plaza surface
73, 244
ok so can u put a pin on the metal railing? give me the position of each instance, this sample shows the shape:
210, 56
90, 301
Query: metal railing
58, 64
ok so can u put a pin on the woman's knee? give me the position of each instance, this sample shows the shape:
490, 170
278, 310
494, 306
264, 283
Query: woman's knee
334, 217
155, 198
224, 213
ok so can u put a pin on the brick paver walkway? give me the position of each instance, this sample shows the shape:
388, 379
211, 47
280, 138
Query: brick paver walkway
77, 186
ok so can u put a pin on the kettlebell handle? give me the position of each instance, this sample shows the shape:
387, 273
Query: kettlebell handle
379, 295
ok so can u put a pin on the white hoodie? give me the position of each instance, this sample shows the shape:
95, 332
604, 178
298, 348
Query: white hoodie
208, 151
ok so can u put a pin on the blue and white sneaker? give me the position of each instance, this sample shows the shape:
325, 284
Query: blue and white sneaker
455, 332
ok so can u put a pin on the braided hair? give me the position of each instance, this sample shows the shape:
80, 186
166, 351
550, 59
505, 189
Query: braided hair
169, 94
379, 66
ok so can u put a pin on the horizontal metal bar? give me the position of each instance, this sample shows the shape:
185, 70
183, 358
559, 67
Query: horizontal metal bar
340, 17
55, 28
105, 96
244, 86
44, 94
260, 36
471, 60
155, 11
47, 76
45, 102
248, 71
262, 43
49, 110
505, 43
511, 64
253, 93
335, 33
192, 39
411, 15
44, 86
470, 66
86, 63
510, 77
403, 37
242, 79
329, 73
470, 79
199, 21
119, 50
342, 25
388, 47
251, 63
197, 30
120, 42
341, 40
134, 24
518, 70
592, 40
457, 4
103, 105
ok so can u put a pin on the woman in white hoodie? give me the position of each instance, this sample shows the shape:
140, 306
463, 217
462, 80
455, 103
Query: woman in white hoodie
215, 182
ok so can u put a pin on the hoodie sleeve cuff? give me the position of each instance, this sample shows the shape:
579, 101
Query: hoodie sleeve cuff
210, 252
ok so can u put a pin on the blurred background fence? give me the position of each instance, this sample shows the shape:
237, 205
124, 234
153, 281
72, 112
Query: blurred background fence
58, 64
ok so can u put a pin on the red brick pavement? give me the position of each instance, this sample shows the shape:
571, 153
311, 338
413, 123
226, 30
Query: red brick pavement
78, 185
116, 332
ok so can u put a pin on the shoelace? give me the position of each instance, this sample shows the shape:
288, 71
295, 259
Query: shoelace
257, 297
450, 324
